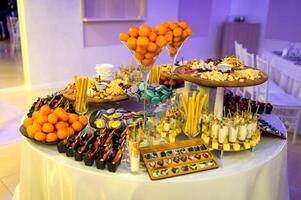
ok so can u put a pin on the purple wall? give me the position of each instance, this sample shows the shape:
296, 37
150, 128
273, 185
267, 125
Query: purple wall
197, 14
283, 21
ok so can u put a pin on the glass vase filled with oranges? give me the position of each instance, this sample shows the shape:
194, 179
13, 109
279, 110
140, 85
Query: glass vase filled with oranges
176, 35
145, 44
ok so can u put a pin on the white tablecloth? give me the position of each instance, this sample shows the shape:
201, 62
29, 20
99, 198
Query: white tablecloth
46, 174
285, 73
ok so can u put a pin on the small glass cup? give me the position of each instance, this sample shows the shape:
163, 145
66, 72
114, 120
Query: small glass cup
135, 158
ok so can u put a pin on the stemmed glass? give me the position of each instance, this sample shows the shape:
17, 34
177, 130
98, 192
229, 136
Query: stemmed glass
145, 68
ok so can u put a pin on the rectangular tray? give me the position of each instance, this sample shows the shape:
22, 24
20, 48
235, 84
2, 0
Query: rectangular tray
175, 148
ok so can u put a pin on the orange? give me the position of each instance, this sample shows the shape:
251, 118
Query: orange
77, 126
152, 47
188, 31
161, 41
183, 25
63, 116
147, 62
184, 35
48, 128
35, 115
172, 25
168, 37
58, 110
160, 29
40, 136
177, 39
51, 137
52, 118
138, 56
71, 131
62, 133
36, 127
149, 55
166, 24
177, 32
177, 44
72, 118
141, 50
131, 43
30, 131
142, 41
172, 51
60, 125
144, 30
42, 119
45, 110
133, 31
152, 36
83, 119
27, 122
123, 36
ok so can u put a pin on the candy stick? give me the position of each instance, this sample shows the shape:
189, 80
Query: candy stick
190, 114
198, 99
187, 118
193, 114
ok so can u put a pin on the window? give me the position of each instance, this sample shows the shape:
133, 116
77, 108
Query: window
113, 10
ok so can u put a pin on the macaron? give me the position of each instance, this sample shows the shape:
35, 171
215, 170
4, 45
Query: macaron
155, 100
141, 86
159, 88
117, 116
110, 111
116, 124
100, 123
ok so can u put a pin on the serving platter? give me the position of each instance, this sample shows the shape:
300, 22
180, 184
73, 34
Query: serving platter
175, 159
71, 97
22, 130
185, 73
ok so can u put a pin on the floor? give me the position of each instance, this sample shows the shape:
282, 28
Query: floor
11, 70
13, 105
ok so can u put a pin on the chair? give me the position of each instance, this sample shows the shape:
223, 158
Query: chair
238, 50
248, 60
287, 107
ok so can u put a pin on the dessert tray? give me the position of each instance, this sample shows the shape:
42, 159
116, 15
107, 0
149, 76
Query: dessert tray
174, 159
188, 74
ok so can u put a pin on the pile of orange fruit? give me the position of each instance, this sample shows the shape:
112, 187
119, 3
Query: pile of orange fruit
146, 42
47, 125
177, 33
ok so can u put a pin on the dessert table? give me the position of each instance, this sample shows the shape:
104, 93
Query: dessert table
262, 174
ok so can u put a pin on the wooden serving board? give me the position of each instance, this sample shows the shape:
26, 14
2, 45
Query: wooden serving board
213, 84
200, 159
169, 76
71, 97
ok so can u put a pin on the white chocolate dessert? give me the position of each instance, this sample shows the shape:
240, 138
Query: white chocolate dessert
232, 133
